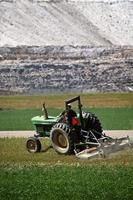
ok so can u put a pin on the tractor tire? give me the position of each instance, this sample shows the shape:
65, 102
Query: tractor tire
62, 139
33, 145
91, 122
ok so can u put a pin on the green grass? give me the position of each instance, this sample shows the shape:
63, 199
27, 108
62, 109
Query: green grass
13, 152
70, 183
48, 175
111, 118
115, 118
20, 119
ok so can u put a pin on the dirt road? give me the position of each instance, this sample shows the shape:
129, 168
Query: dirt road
112, 133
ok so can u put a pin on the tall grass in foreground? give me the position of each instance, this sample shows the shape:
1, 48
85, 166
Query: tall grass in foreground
111, 118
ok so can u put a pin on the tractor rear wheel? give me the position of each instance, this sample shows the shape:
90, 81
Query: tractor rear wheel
33, 145
91, 122
62, 139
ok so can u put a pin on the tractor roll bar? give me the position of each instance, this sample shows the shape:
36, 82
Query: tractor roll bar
77, 98
72, 100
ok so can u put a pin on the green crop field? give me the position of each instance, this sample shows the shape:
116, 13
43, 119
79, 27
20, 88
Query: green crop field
48, 175
67, 183
111, 118
115, 111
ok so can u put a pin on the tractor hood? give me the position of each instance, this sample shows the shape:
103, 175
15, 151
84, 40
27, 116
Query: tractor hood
42, 120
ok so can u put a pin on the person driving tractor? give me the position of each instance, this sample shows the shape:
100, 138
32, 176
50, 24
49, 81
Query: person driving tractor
69, 116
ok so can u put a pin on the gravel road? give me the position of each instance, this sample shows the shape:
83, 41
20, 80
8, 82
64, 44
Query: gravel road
25, 134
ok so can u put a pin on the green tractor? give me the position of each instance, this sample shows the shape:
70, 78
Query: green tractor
70, 132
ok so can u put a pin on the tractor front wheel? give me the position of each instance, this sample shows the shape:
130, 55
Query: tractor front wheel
62, 139
33, 145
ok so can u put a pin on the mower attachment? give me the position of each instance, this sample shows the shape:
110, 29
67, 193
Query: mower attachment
104, 147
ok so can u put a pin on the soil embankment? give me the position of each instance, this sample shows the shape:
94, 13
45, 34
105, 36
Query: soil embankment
69, 46
55, 69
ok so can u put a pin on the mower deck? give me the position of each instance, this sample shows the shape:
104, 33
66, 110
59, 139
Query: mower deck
103, 149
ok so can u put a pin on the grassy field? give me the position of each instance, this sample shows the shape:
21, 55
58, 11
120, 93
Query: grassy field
47, 175
111, 118
115, 111
67, 183
98, 100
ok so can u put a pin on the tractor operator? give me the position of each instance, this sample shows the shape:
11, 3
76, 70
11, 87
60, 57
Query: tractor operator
69, 116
